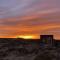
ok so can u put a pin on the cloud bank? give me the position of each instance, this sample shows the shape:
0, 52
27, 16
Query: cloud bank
34, 17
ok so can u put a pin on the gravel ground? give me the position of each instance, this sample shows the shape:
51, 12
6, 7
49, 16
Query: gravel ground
12, 51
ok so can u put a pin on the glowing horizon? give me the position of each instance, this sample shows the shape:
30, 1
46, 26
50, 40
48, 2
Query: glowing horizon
26, 37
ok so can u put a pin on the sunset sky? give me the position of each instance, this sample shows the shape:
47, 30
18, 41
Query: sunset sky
29, 17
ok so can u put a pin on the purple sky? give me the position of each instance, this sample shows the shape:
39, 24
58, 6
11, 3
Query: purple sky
29, 17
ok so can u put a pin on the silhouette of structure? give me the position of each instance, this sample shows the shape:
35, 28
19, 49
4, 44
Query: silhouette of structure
47, 40
44, 41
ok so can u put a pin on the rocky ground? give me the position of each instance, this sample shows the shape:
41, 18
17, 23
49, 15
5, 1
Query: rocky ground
12, 50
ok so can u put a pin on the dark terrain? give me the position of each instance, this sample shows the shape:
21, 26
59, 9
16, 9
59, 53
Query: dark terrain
19, 49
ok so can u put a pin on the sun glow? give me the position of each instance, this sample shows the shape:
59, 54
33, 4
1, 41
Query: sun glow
26, 37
